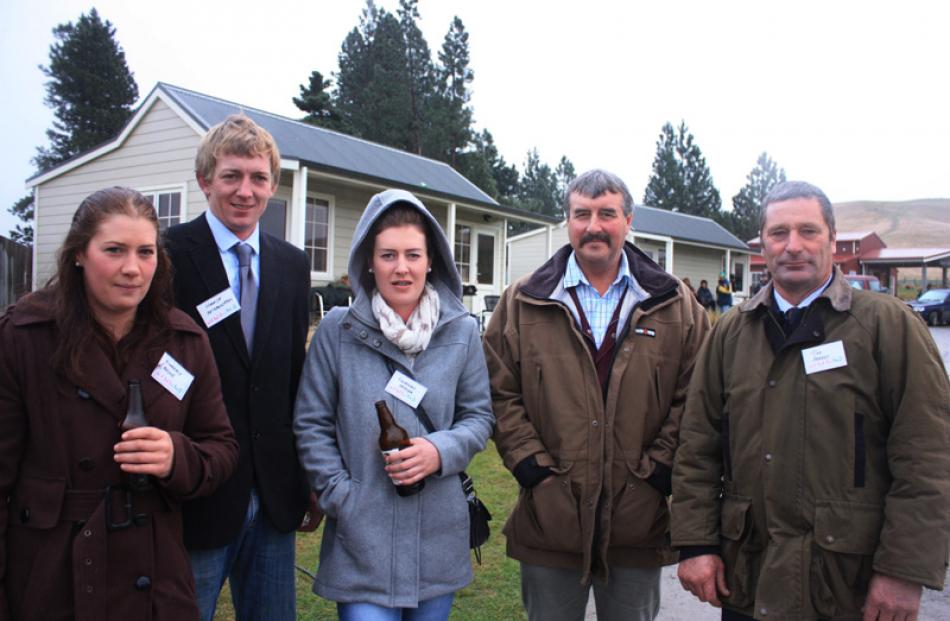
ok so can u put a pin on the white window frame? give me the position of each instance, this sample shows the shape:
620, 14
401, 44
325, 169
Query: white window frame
497, 274
331, 227
152, 192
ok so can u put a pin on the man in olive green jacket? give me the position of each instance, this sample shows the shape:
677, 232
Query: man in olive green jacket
589, 359
813, 475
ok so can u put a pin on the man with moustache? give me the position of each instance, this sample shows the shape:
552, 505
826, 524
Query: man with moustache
589, 359
813, 477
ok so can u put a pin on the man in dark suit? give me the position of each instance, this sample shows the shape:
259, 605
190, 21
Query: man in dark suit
249, 291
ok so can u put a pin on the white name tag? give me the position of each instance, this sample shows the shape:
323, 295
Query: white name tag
218, 307
824, 357
175, 378
406, 389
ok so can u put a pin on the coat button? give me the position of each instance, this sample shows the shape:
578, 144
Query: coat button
25, 516
347, 325
364, 334
594, 423
82, 394
768, 457
87, 561
829, 539
87, 533
89, 590
816, 334
142, 583
772, 383
377, 343
86, 464
763, 611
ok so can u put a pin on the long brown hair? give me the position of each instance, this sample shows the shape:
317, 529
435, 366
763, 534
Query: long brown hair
78, 328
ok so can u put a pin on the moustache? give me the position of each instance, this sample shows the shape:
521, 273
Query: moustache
591, 237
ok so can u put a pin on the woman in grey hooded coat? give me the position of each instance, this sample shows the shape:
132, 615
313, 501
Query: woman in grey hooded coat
385, 556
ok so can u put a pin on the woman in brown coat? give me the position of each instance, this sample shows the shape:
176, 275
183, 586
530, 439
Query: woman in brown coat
75, 540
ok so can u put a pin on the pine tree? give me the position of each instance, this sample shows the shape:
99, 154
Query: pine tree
454, 123
747, 204
538, 190
23, 209
564, 174
316, 101
681, 180
420, 73
90, 89
372, 83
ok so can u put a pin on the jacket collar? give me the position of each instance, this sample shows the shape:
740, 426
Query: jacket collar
838, 293
101, 382
651, 277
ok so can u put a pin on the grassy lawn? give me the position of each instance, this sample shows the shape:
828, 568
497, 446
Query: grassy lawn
494, 594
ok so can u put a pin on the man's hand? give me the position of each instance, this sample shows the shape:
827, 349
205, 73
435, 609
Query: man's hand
705, 577
891, 599
414, 463
146, 450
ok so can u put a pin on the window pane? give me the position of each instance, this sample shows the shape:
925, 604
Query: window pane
318, 259
176, 205
486, 259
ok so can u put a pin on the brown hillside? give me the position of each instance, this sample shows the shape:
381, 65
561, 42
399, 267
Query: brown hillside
923, 223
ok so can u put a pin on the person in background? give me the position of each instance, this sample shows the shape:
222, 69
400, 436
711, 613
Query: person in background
813, 450
762, 280
689, 285
76, 541
723, 294
589, 359
385, 556
245, 531
705, 296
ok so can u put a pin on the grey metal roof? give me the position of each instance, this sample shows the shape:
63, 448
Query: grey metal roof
335, 152
683, 226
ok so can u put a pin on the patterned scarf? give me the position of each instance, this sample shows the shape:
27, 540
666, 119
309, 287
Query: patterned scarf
413, 336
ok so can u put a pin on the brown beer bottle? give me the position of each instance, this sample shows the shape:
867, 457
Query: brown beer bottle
135, 417
394, 438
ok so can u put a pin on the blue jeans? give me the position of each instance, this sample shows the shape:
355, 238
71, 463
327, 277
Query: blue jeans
435, 609
259, 564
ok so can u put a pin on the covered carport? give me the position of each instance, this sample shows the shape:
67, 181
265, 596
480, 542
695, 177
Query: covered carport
888, 259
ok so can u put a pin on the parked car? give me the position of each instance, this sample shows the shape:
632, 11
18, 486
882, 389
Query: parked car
864, 281
933, 306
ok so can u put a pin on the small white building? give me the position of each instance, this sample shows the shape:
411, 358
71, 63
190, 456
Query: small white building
684, 245
327, 178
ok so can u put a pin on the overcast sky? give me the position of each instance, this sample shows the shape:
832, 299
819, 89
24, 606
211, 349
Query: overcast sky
852, 96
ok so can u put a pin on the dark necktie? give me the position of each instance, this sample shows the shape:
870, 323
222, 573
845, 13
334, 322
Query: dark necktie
248, 293
793, 317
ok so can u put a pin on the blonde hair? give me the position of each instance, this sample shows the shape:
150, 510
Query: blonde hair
236, 135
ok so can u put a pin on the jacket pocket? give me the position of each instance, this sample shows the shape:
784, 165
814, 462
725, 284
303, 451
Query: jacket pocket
547, 516
640, 514
37, 502
741, 550
845, 538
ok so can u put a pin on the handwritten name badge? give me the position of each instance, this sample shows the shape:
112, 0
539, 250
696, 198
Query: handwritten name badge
406, 389
218, 307
175, 378
824, 357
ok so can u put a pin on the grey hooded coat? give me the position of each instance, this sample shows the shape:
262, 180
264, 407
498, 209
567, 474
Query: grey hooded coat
379, 547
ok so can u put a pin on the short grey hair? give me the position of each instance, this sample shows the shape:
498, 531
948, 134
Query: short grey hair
788, 190
593, 184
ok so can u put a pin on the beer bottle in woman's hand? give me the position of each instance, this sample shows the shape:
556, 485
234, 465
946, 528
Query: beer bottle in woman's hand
394, 438
135, 417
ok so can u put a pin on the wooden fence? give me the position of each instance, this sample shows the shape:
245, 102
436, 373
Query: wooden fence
16, 271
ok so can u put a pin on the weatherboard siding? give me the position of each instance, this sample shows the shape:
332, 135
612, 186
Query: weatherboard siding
697, 263
159, 152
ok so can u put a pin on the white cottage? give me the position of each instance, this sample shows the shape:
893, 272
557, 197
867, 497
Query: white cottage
326, 180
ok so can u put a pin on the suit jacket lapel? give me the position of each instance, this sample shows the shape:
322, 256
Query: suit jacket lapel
268, 291
207, 262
